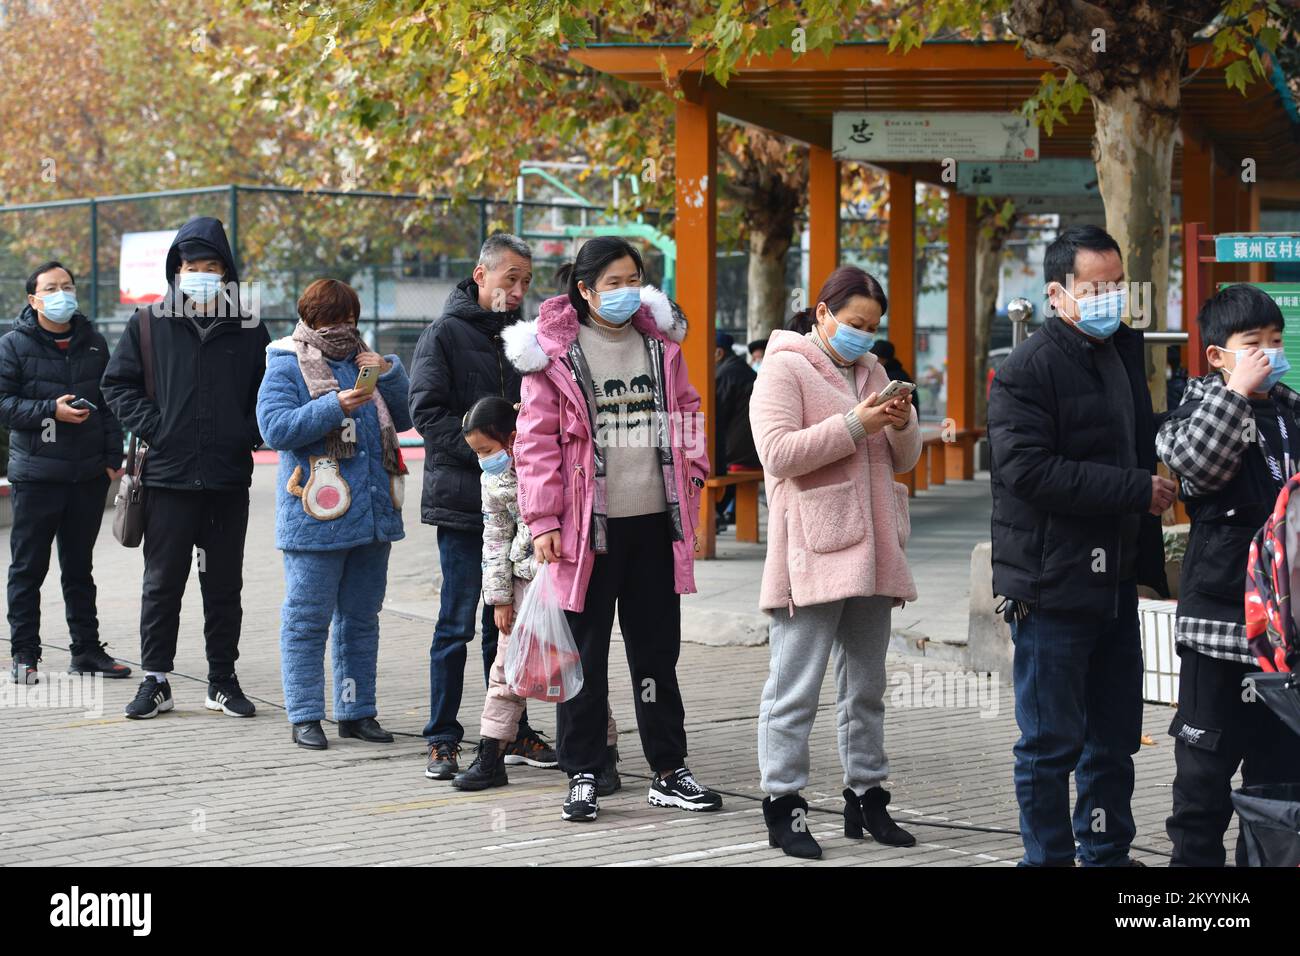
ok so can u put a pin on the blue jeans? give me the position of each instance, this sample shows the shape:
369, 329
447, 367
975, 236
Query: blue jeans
460, 554
346, 588
1078, 683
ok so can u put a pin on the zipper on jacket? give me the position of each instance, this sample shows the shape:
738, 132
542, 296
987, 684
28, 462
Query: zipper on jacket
501, 370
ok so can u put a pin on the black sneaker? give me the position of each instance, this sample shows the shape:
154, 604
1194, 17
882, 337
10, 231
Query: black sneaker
608, 781
530, 748
680, 789
442, 761
94, 660
580, 804
487, 770
153, 698
226, 696
24, 669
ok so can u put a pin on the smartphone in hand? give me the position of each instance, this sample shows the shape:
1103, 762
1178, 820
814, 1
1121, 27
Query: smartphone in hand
81, 404
894, 389
367, 379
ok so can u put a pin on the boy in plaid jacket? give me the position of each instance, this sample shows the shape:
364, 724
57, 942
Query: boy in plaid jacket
1232, 442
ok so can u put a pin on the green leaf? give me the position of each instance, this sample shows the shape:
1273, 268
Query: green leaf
1238, 75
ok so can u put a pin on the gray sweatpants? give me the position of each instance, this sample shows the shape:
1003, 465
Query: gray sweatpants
857, 630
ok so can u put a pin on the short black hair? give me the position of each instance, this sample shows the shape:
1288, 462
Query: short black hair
1058, 260
44, 268
494, 416
1237, 308
756, 345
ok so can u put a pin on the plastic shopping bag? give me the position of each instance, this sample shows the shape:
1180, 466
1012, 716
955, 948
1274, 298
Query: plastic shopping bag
541, 659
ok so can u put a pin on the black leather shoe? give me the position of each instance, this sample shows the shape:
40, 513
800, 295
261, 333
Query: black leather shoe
95, 660
367, 728
487, 770
870, 812
310, 735
788, 827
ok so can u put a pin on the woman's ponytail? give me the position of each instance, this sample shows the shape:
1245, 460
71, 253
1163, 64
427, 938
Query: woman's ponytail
801, 322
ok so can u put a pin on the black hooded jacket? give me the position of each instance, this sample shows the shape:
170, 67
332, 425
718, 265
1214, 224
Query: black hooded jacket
458, 360
201, 425
33, 373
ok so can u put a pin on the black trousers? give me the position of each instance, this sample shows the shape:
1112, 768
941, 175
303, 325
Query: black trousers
1216, 731
45, 513
179, 526
636, 575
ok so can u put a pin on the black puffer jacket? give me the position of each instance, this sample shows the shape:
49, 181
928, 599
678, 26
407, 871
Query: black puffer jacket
201, 426
1058, 491
458, 360
33, 373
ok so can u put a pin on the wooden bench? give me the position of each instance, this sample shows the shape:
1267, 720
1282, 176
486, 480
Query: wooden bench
746, 484
940, 457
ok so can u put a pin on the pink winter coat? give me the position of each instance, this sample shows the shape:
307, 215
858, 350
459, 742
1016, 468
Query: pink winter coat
554, 446
837, 519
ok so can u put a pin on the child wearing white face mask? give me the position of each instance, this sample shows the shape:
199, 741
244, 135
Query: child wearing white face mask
508, 567
1233, 443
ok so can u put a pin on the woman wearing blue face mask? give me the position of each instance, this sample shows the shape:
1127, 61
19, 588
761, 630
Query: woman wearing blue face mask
836, 565
611, 458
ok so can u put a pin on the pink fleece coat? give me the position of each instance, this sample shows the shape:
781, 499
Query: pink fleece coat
837, 519
555, 448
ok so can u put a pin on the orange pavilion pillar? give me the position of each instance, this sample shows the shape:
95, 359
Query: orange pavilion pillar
696, 148
902, 284
960, 453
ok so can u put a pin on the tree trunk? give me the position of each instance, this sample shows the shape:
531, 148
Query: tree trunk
766, 298
1134, 148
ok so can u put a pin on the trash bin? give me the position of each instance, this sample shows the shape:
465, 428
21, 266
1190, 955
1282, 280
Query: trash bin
1270, 823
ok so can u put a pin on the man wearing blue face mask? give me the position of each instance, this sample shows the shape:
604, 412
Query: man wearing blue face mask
1076, 528
65, 447
1233, 443
184, 379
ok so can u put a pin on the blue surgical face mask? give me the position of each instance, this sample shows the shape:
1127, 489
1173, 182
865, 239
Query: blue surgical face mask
618, 305
496, 464
849, 343
200, 286
59, 306
1100, 315
1276, 359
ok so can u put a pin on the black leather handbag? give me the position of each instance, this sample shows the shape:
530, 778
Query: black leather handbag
131, 501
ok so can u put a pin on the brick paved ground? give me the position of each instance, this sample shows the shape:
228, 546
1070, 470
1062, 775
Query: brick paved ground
194, 787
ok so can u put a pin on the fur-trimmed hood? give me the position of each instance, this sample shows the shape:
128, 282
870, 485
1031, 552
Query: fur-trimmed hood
530, 346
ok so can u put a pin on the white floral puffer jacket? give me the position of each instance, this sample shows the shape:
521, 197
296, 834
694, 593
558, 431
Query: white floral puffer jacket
507, 544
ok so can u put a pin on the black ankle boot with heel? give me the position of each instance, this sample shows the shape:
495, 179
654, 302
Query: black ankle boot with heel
788, 826
870, 812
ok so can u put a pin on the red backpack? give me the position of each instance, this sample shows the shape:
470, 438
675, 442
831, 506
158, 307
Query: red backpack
1271, 631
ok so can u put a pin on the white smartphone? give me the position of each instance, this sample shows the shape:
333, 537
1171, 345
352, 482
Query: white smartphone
894, 389
367, 378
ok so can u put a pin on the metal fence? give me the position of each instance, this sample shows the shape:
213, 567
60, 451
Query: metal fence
402, 253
